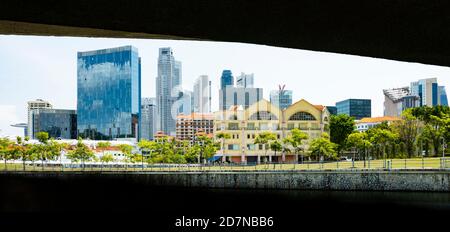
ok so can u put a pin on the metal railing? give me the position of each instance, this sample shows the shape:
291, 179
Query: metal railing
386, 165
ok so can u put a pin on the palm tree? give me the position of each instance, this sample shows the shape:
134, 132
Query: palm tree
222, 136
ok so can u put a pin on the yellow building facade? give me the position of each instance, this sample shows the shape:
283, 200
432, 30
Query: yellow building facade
243, 125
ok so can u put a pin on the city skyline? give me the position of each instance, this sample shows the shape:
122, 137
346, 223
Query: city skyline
51, 61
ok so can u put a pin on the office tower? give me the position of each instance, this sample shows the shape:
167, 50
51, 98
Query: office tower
397, 100
332, 110
232, 96
109, 93
357, 108
58, 123
168, 90
442, 96
281, 98
245, 80
226, 79
202, 95
149, 114
34, 105
427, 90
185, 103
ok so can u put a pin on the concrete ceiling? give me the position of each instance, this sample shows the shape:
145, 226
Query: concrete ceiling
405, 30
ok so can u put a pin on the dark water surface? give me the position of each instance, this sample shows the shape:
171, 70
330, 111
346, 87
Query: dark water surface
129, 205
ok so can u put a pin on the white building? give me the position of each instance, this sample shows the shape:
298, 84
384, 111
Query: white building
202, 95
245, 80
367, 123
34, 105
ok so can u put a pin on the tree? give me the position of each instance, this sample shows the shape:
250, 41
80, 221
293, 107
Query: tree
148, 146
408, 130
4, 149
42, 137
222, 136
322, 147
275, 146
81, 153
341, 126
295, 139
126, 150
382, 138
264, 138
359, 141
208, 147
106, 159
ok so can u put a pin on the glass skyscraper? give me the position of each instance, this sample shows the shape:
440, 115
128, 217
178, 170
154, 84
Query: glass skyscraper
56, 122
442, 96
109, 89
148, 118
226, 79
168, 90
282, 99
357, 108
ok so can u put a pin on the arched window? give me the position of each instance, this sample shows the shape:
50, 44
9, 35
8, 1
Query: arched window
263, 115
302, 116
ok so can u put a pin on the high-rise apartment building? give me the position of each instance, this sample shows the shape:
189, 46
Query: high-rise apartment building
202, 95
58, 123
194, 124
149, 114
34, 105
281, 98
109, 93
168, 88
245, 80
357, 108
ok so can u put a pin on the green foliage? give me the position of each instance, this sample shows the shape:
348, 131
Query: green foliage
81, 153
323, 147
295, 139
276, 146
107, 158
341, 126
42, 137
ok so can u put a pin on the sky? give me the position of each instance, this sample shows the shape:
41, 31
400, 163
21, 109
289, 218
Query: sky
33, 67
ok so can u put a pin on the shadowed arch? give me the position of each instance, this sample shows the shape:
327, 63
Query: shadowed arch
263, 115
302, 116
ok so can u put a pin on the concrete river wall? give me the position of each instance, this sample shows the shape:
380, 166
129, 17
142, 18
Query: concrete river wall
404, 180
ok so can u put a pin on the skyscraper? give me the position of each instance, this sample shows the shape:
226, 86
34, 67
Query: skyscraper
427, 90
148, 118
232, 96
357, 108
442, 96
168, 90
281, 98
245, 80
202, 95
109, 89
226, 79
34, 105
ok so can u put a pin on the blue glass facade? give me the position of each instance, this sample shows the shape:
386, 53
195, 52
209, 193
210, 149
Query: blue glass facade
226, 79
332, 110
109, 87
57, 123
434, 94
281, 99
443, 96
357, 108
